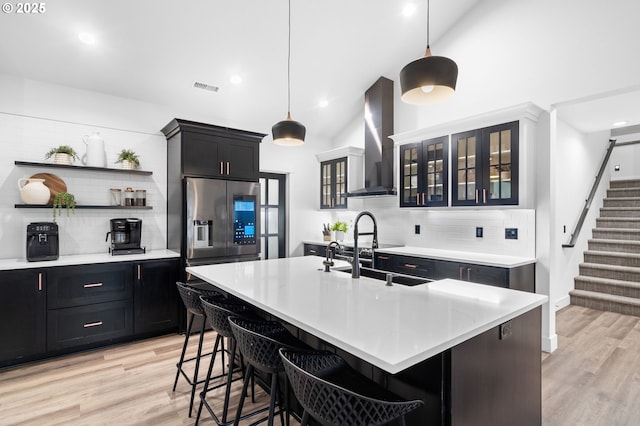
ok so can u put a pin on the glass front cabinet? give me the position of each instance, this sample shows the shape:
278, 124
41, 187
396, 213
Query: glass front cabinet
485, 166
333, 184
423, 173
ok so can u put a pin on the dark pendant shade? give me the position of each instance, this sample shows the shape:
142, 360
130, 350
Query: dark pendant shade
288, 132
428, 80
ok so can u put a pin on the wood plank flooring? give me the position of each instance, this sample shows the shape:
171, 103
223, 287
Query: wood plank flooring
592, 379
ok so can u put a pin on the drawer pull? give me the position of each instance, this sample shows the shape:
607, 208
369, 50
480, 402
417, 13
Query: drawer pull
93, 324
410, 266
380, 257
91, 285
312, 251
227, 167
39, 281
139, 273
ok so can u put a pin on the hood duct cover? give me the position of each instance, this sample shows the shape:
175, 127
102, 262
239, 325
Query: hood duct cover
378, 146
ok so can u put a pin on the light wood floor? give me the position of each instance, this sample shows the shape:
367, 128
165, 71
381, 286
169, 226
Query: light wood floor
592, 379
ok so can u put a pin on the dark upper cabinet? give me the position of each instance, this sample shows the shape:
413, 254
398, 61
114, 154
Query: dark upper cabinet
424, 173
22, 314
333, 184
156, 297
485, 166
203, 150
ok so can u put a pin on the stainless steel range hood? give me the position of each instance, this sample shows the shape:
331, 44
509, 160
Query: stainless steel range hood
378, 146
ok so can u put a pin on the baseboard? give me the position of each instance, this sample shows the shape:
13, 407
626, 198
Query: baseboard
550, 344
562, 302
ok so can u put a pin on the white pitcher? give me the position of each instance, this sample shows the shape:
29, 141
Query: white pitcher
34, 191
95, 156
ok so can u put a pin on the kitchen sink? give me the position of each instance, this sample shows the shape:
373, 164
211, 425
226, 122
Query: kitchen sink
381, 275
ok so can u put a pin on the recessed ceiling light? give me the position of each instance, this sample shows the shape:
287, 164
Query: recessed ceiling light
323, 103
619, 123
235, 79
87, 38
409, 10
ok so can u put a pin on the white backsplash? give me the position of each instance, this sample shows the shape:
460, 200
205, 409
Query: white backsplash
28, 139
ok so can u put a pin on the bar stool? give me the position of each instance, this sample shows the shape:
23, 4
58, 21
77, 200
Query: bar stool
191, 298
334, 394
259, 343
218, 310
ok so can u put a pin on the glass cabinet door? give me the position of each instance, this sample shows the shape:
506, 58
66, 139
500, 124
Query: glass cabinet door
436, 154
333, 184
424, 173
326, 183
340, 198
466, 174
409, 160
502, 175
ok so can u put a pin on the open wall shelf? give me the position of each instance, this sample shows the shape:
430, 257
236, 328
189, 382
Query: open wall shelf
84, 168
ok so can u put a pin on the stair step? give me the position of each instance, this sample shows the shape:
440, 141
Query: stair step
616, 234
605, 302
618, 222
620, 212
615, 272
624, 183
622, 202
623, 192
617, 246
608, 286
612, 258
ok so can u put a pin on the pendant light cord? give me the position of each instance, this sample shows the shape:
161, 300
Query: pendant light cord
428, 10
289, 68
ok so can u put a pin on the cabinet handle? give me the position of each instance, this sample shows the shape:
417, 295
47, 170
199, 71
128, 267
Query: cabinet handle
139, 274
476, 196
221, 169
484, 196
92, 324
227, 167
91, 285
417, 199
410, 266
468, 274
460, 275
39, 281
383, 257
312, 251
423, 198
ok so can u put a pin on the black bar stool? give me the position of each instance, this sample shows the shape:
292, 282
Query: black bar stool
259, 343
191, 299
218, 310
335, 395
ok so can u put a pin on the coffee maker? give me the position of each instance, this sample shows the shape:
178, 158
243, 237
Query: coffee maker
125, 236
42, 241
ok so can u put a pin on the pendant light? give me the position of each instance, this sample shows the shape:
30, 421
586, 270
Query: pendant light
429, 79
288, 132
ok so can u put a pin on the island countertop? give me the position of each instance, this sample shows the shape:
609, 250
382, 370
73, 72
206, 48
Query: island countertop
392, 327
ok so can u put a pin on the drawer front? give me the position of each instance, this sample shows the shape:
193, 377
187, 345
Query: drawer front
474, 273
315, 250
405, 265
71, 327
70, 286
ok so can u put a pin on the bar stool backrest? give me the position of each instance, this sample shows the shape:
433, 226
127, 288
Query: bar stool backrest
259, 342
218, 311
191, 297
333, 405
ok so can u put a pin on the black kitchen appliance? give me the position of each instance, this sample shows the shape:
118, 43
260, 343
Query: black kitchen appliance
125, 236
42, 241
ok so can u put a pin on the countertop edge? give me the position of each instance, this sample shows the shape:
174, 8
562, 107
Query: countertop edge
86, 259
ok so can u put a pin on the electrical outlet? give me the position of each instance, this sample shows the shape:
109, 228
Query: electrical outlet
505, 330
511, 233
479, 231
417, 229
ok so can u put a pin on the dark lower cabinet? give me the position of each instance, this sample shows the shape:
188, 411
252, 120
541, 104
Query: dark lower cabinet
409, 265
22, 315
315, 250
83, 325
156, 296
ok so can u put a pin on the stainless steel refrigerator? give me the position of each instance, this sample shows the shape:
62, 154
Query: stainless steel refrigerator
221, 221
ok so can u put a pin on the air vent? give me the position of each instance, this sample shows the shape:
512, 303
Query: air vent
205, 86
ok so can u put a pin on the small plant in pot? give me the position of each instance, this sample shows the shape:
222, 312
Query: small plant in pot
128, 159
63, 199
63, 154
340, 228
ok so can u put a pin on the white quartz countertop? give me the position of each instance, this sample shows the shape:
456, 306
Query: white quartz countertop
486, 259
83, 259
392, 327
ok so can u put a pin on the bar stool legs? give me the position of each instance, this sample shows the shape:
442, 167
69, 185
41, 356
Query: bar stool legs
192, 381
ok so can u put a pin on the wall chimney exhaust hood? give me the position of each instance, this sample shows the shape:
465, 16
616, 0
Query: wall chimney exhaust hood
378, 146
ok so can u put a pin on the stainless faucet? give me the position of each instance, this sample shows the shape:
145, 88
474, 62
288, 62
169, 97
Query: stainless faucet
355, 267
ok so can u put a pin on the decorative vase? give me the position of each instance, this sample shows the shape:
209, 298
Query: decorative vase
34, 191
62, 158
126, 164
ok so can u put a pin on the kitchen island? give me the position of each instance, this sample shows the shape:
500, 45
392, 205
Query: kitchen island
470, 351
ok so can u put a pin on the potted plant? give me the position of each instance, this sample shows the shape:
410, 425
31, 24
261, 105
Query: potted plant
63, 199
63, 154
128, 158
340, 228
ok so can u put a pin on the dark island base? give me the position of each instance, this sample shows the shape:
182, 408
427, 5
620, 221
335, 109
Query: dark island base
491, 379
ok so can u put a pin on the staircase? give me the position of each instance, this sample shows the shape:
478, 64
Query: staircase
609, 278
